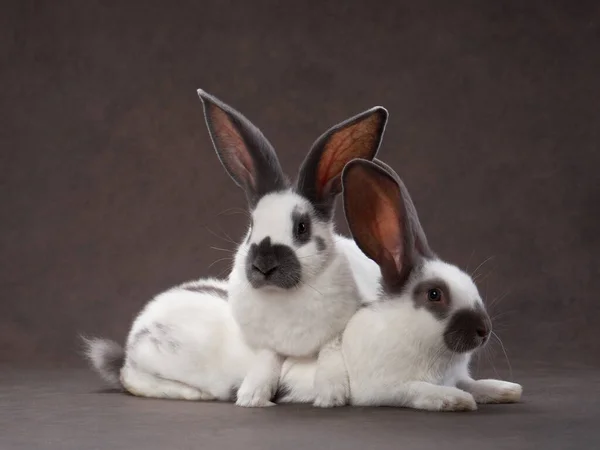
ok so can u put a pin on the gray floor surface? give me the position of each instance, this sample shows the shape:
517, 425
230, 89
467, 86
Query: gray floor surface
69, 409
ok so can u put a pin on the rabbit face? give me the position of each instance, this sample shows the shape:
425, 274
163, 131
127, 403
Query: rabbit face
290, 239
448, 310
287, 243
457, 314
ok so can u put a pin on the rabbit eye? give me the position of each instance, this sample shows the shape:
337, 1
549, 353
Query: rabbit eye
301, 228
434, 295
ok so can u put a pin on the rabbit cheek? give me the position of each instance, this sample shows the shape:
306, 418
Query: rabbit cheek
272, 265
466, 330
321, 245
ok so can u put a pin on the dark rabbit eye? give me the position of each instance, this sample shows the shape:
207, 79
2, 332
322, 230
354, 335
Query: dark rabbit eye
434, 295
301, 228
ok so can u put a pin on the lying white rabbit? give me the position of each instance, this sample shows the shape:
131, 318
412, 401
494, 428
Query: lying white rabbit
412, 348
291, 290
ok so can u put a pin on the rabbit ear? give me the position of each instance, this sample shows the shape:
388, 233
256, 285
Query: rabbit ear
387, 168
383, 220
319, 179
421, 243
246, 154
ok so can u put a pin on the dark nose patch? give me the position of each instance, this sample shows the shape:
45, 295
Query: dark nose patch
467, 330
272, 265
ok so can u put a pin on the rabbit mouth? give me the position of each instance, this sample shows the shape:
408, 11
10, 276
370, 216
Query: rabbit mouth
274, 281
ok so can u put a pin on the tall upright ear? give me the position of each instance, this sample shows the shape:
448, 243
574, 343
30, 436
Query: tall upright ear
421, 244
319, 179
246, 154
376, 211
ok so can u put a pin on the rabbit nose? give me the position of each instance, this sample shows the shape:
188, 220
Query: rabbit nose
482, 331
265, 267
265, 261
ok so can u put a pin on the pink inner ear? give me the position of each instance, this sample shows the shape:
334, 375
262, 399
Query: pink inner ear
355, 141
328, 168
234, 146
388, 230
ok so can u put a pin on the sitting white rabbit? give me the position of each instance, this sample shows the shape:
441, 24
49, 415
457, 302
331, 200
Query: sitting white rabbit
291, 289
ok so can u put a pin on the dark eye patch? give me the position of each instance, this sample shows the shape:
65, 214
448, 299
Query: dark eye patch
320, 243
434, 296
301, 227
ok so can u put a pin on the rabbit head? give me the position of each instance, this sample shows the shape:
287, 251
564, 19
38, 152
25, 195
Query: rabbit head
290, 238
448, 311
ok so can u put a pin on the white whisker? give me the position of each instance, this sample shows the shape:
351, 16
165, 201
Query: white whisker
505, 354
219, 260
223, 249
480, 265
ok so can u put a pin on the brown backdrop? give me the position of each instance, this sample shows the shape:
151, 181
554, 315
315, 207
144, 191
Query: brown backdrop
111, 191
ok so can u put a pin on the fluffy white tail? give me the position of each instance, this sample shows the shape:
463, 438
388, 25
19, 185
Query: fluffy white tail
106, 357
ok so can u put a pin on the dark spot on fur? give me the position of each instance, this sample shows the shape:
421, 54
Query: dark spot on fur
162, 328
137, 337
207, 289
159, 335
320, 243
163, 338
282, 392
233, 393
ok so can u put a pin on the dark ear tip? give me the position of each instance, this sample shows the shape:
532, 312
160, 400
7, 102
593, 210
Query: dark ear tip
353, 166
387, 168
375, 111
383, 112
379, 111
369, 168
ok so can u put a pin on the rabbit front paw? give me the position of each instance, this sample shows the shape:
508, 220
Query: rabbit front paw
331, 395
254, 396
448, 399
496, 391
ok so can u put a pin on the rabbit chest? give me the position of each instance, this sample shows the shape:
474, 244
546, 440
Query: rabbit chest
293, 322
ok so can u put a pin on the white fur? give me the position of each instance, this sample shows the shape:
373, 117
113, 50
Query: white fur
191, 343
366, 272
